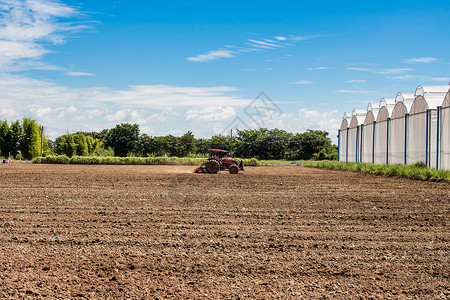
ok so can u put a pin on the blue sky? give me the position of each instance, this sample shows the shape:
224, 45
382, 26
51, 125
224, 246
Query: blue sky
173, 66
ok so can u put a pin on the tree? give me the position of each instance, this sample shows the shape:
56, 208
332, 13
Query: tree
65, 145
219, 142
201, 146
123, 138
187, 143
30, 141
146, 145
305, 145
9, 138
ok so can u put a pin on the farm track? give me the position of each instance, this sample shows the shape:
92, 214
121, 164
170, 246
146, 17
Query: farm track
269, 232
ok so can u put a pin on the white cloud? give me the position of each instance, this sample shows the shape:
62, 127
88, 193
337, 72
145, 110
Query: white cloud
212, 55
356, 81
126, 115
79, 74
408, 77
209, 114
251, 45
393, 71
301, 82
318, 68
354, 91
305, 37
420, 78
442, 79
382, 71
8, 113
60, 108
421, 60
26, 27
261, 44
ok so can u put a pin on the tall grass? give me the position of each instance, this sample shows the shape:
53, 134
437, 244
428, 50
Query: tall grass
416, 171
164, 160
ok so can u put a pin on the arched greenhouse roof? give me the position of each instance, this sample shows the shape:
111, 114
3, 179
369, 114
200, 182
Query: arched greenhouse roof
370, 117
356, 121
344, 124
431, 90
387, 102
372, 107
401, 109
404, 97
446, 102
384, 113
422, 104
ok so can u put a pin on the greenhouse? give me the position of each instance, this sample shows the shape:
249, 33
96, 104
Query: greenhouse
407, 129
444, 134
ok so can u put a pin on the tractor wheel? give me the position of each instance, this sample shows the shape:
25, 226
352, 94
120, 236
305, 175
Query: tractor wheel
234, 169
212, 166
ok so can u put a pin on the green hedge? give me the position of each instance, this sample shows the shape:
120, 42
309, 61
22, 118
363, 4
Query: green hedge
415, 171
94, 160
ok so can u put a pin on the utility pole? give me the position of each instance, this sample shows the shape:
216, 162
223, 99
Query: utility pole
231, 143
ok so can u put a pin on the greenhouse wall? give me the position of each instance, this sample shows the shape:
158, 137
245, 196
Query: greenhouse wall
343, 145
444, 138
397, 141
381, 136
367, 143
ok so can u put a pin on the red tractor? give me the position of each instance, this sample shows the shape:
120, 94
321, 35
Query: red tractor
215, 163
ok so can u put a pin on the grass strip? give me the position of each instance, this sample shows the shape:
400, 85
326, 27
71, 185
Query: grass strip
415, 171
94, 160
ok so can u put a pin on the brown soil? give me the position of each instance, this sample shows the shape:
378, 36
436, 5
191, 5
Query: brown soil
269, 232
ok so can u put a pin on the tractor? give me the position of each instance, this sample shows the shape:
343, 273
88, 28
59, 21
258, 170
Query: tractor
217, 162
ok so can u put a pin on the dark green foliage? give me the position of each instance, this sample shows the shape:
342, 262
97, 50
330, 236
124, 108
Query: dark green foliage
305, 145
219, 142
146, 145
201, 146
262, 143
187, 143
123, 138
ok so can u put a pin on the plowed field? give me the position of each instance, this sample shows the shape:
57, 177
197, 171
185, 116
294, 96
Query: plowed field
269, 232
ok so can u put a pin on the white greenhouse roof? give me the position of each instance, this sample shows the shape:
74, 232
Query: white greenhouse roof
403, 97
370, 117
372, 107
422, 103
446, 102
359, 112
356, 121
344, 124
384, 113
435, 89
387, 102
400, 109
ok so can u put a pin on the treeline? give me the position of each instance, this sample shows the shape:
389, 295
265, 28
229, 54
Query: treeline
126, 140
21, 139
